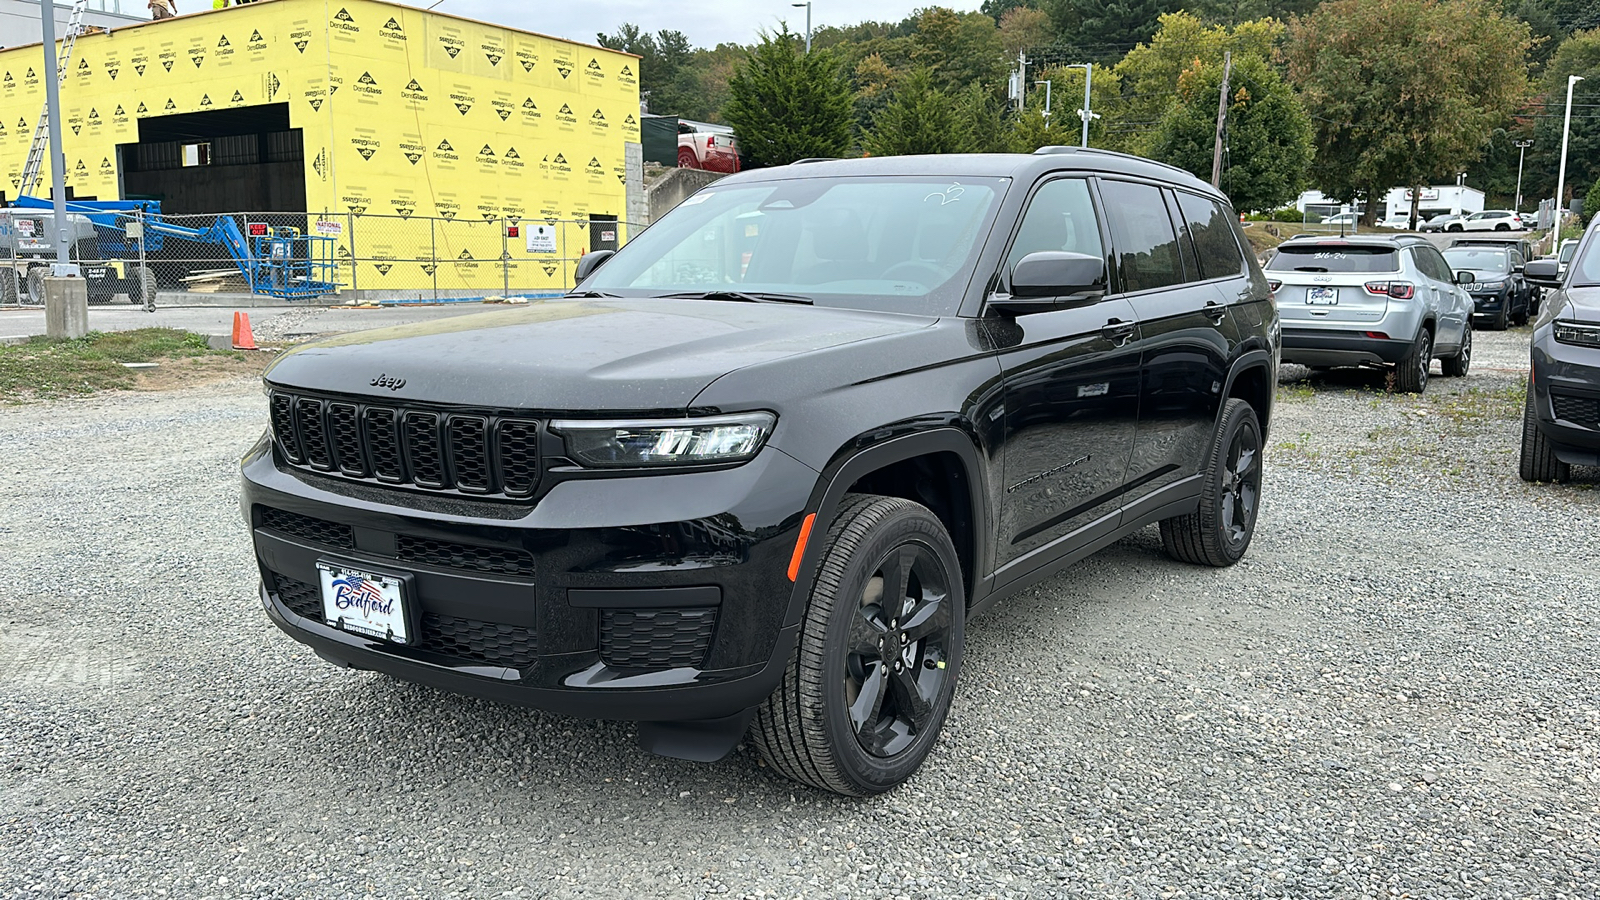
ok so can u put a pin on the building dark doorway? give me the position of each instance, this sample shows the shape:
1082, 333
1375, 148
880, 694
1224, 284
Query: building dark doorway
227, 160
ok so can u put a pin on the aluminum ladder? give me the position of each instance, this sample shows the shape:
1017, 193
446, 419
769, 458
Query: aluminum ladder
41, 133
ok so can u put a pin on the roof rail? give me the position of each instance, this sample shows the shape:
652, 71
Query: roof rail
812, 159
1052, 149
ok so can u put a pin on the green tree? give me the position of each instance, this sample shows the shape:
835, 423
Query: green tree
1104, 30
1591, 202
1106, 101
1268, 137
1149, 72
1577, 55
1403, 91
1031, 130
785, 104
668, 76
984, 120
919, 118
958, 49
1023, 28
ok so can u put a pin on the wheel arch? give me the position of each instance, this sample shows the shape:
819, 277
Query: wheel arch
1251, 380
939, 468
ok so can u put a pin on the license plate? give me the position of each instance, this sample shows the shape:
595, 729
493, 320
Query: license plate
364, 603
1319, 296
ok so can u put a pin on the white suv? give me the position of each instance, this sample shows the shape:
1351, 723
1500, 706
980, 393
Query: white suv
1494, 220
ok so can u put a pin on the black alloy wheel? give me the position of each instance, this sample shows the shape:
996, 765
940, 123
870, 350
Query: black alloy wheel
1457, 366
1219, 532
1411, 373
862, 701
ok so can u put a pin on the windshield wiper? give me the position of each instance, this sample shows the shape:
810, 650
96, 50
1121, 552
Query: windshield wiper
1310, 269
741, 296
590, 294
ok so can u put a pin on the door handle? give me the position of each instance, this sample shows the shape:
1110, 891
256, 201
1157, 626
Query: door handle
1215, 311
1117, 331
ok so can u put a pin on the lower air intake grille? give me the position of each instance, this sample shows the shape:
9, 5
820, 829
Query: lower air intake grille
494, 560
303, 600
318, 531
1577, 410
656, 638
467, 640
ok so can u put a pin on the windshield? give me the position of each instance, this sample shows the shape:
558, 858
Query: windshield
1586, 268
900, 244
1334, 258
1493, 262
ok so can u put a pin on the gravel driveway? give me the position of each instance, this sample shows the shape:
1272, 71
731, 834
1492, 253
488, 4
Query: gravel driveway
1393, 696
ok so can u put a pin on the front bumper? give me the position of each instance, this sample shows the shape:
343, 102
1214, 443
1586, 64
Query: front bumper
1331, 347
654, 598
1489, 305
1566, 398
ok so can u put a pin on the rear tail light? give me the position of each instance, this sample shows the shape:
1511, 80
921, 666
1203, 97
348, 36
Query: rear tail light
1273, 284
1377, 335
1377, 288
711, 141
1401, 290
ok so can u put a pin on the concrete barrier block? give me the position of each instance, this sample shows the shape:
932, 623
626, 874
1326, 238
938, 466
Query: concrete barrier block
66, 307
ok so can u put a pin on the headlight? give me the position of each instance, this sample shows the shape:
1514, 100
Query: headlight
1573, 333
1489, 285
665, 442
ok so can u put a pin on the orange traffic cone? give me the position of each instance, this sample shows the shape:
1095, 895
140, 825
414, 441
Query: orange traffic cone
243, 339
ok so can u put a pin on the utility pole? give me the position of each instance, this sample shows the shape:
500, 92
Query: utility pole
1222, 118
52, 93
1046, 84
1522, 151
1085, 114
808, 24
1561, 179
1022, 79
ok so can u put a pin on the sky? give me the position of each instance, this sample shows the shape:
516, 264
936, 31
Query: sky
705, 22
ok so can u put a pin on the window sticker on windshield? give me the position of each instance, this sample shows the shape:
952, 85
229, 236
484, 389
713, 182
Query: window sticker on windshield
1328, 255
697, 198
949, 195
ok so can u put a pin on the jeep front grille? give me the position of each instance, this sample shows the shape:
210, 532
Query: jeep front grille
411, 445
1584, 411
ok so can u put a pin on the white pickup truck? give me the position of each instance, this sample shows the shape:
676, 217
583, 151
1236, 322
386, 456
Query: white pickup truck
702, 145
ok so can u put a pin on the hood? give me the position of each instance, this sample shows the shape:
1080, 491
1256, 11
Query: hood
1581, 304
576, 355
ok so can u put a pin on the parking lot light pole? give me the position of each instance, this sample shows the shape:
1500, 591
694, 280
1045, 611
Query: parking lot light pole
52, 94
1522, 151
1561, 178
808, 23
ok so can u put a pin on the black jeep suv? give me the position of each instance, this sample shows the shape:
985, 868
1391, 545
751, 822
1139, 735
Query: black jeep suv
757, 470
1561, 421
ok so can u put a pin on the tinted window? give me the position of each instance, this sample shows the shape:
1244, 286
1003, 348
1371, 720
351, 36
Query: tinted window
1059, 217
1439, 268
1147, 247
1586, 268
1497, 262
1212, 231
1319, 257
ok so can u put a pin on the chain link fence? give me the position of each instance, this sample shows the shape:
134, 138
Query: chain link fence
317, 259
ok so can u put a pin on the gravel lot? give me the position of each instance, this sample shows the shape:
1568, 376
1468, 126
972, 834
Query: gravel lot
1393, 696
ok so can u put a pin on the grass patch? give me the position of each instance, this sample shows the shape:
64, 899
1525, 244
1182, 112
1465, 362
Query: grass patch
1298, 391
1476, 407
45, 368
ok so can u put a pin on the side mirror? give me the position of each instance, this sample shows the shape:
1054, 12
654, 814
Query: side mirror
1464, 277
1544, 272
589, 263
1051, 279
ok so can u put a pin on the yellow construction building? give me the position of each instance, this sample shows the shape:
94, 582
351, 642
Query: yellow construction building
351, 112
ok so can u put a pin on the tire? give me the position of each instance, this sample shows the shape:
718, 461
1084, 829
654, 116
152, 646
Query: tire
1502, 227
1455, 228
1457, 366
34, 281
1521, 318
686, 158
852, 649
145, 281
1535, 297
1539, 462
10, 292
1219, 531
1411, 373
1502, 319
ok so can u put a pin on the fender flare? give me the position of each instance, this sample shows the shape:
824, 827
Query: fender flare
849, 466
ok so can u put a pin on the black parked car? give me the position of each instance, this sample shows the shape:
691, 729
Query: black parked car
1500, 293
755, 473
1561, 421
1525, 252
